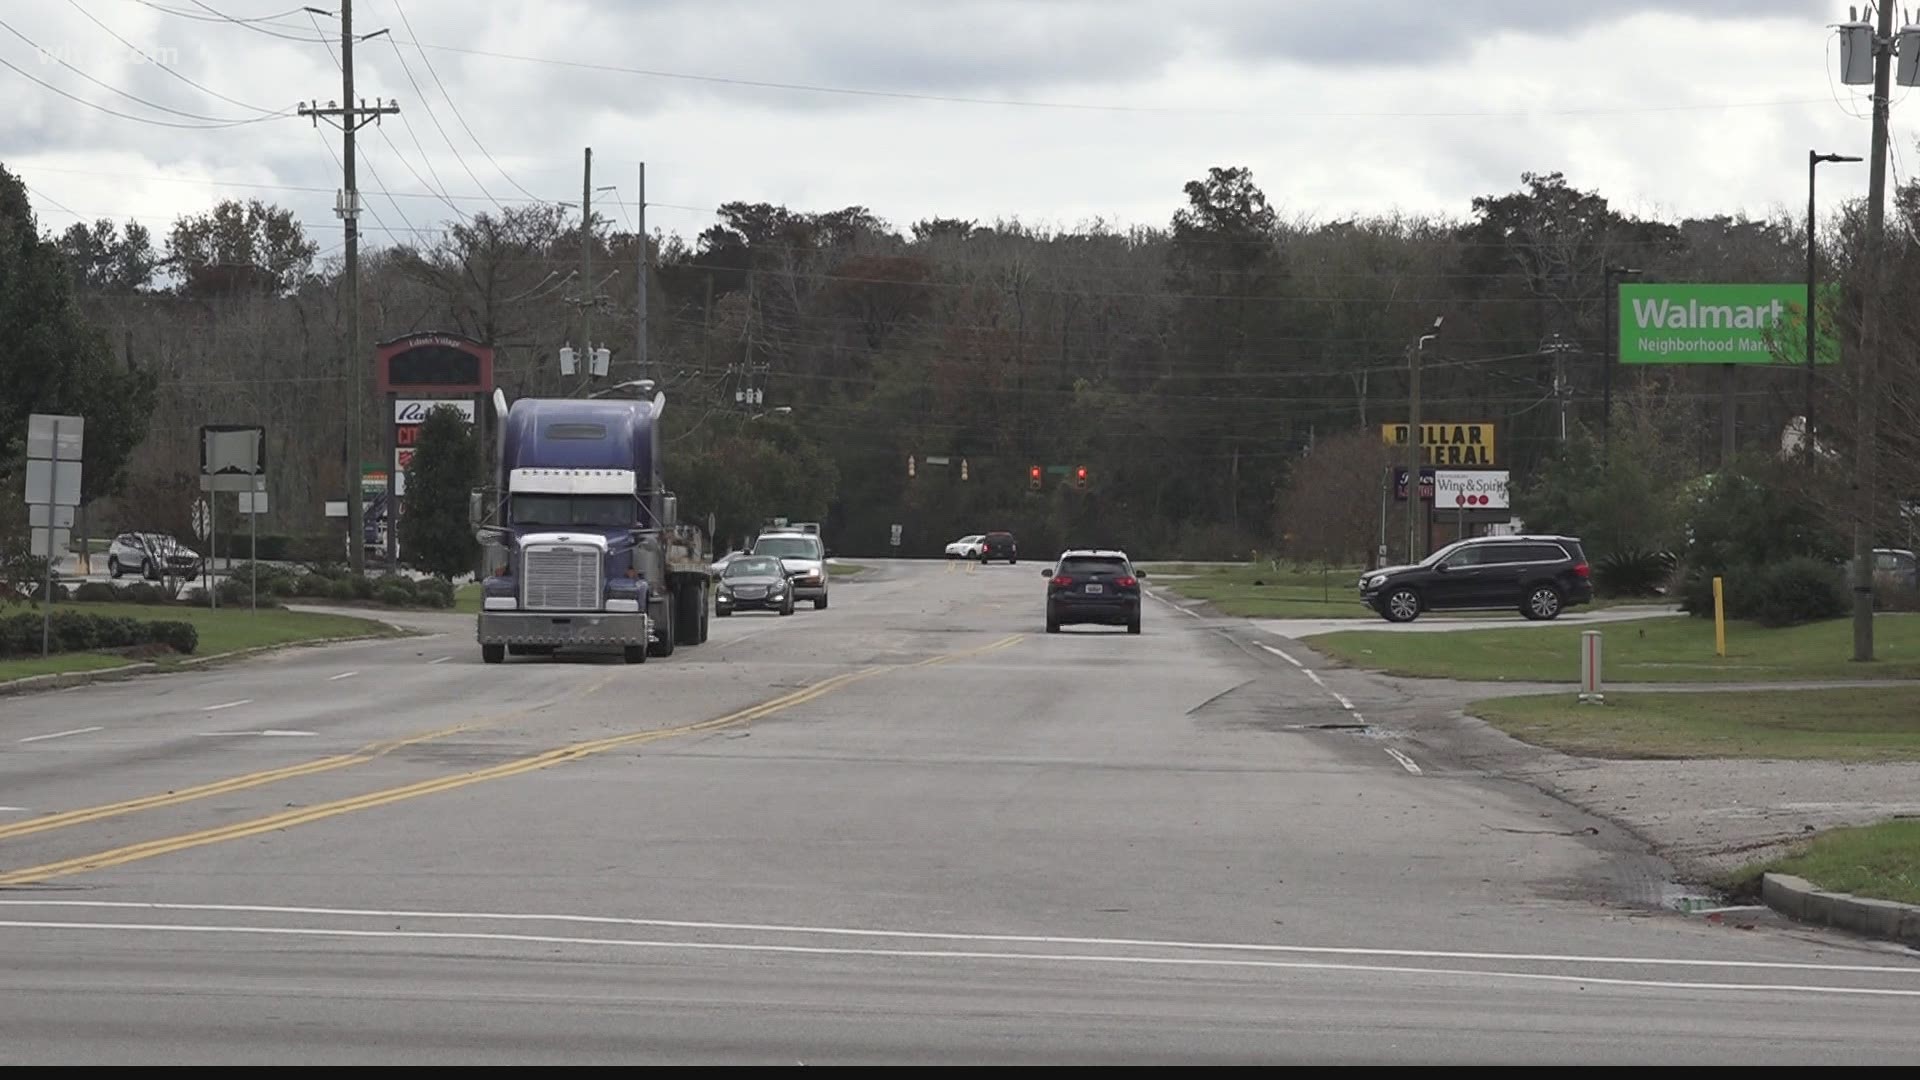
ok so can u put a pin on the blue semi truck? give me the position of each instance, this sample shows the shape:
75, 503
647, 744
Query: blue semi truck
584, 545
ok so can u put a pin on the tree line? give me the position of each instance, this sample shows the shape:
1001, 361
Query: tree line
1223, 379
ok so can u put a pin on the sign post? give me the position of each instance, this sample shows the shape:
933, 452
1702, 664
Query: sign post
55, 447
1719, 618
233, 457
1590, 691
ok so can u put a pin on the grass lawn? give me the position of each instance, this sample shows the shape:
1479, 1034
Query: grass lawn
1881, 861
1287, 593
223, 631
1840, 724
836, 568
1675, 649
466, 598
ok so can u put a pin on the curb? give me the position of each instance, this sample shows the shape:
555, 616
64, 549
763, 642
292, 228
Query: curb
1798, 898
62, 680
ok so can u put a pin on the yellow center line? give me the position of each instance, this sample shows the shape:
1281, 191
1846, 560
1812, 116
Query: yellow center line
369, 752
301, 816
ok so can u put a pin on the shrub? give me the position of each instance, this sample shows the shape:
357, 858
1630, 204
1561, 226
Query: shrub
1785, 594
142, 593
345, 588
434, 592
75, 631
181, 637
316, 585
96, 592
1634, 572
395, 594
362, 587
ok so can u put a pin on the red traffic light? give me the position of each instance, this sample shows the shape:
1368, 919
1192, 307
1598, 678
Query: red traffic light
1082, 472
1034, 472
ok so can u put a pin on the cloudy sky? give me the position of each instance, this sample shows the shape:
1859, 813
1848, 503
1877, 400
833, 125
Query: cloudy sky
1056, 112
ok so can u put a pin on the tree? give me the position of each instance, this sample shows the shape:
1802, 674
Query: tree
445, 468
1330, 509
106, 260
53, 361
240, 247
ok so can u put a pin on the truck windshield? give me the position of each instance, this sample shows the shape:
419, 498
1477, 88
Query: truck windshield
599, 511
788, 547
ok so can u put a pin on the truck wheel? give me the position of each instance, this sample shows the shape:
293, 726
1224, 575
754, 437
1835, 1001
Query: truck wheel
493, 654
664, 647
706, 613
820, 602
633, 654
687, 610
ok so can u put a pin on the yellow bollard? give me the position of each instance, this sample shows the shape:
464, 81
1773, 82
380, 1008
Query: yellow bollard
1719, 618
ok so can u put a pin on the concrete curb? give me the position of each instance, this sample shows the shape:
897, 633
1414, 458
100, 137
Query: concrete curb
1798, 898
62, 680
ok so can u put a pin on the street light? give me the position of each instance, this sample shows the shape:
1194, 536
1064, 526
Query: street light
1812, 314
1414, 513
1610, 355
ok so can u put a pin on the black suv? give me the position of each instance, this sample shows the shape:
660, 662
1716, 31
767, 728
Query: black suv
1093, 586
999, 545
1539, 575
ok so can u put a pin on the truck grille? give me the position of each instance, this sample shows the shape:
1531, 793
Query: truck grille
562, 578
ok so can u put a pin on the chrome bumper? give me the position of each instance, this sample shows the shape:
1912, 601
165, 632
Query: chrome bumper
563, 628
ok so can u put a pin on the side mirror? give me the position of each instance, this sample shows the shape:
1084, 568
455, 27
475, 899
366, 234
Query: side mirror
1140, 573
476, 506
1046, 571
491, 534
1441, 568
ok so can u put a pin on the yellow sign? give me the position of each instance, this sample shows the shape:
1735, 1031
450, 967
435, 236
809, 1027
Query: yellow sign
1447, 444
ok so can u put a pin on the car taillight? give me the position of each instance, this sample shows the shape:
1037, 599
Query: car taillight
1062, 581
1581, 569
1125, 582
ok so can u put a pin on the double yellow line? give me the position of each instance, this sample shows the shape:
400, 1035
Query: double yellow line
322, 811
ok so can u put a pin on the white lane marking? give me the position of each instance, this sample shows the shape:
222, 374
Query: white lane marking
1156, 595
342, 675
1315, 676
956, 954
13, 809
1288, 657
1405, 761
1345, 702
229, 705
442, 660
936, 935
62, 734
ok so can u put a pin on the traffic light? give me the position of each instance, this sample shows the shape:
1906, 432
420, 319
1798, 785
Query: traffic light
1080, 477
963, 468
909, 466
1033, 478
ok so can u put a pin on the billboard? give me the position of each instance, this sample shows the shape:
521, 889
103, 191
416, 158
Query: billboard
1484, 489
1724, 324
1448, 443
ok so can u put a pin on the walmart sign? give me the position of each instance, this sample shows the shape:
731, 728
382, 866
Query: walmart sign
1723, 324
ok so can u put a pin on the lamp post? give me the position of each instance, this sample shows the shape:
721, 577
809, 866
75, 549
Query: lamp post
1812, 314
1415, 516
1610, 353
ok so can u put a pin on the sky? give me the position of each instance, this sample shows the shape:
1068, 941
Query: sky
1057, 113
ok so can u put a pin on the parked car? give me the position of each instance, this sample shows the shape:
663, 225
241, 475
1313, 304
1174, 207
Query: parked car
1093, 585
1895, 568
753, 583
1540, 576
999, 545
967, 547
151, 555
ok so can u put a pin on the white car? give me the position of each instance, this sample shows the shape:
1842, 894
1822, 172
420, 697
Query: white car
967, 547
149, 555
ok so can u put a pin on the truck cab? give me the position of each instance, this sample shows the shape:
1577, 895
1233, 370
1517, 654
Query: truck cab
584, 546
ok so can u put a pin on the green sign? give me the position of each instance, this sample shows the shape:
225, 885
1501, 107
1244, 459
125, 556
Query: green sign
1724, 324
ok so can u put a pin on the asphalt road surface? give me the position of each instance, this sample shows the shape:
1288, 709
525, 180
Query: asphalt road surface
913, 828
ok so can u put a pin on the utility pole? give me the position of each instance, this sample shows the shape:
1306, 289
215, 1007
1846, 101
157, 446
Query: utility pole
1610, 355
1559, 347
350, 118
586, 255
646, 259
1866, 389
1416, 514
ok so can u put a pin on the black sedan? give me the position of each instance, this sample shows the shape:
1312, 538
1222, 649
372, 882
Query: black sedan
754, 583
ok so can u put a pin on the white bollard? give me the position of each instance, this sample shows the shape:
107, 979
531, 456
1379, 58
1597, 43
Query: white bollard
1590, 668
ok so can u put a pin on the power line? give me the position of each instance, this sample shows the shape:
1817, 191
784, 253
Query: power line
75, 4
211, 121
431, 115
408, 23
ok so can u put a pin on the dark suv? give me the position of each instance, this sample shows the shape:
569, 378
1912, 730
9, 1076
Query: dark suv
1093, 586
999, 545
1539, 575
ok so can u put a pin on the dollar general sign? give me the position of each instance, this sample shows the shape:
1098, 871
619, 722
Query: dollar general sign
1447, 444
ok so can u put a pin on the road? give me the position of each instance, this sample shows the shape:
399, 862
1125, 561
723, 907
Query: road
910, 828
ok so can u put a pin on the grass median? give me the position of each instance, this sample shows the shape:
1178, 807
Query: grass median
1261, 591
1839, 724
222, 631
1879, 861
1670, 649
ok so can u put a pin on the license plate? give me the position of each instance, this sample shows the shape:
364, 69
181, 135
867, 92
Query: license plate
1091, 589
